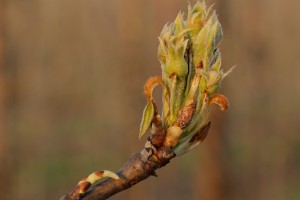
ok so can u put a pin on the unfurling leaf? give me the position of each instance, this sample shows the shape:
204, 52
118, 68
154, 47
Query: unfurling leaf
194, 141
201, 134
147, 118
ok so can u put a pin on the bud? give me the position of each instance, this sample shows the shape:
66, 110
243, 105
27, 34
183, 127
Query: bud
191, 78
172, 47
197, 17
206, 41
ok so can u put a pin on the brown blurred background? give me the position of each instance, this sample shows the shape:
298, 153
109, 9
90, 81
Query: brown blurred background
71, 99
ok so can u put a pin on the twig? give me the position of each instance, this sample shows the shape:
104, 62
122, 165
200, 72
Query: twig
138, 167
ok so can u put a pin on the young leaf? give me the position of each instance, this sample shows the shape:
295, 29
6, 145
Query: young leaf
147, 118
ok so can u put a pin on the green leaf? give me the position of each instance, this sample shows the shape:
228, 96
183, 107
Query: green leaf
147, 118
201, 44
177, 90
216, 61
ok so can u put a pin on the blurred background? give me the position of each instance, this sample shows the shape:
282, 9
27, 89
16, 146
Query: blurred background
71, 99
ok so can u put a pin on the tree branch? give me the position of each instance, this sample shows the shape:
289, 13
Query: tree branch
138, 167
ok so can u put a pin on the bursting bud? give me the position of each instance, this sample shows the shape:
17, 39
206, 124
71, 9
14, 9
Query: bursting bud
197, 16
191, 79
172, 47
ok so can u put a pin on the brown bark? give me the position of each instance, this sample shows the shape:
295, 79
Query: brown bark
136, 169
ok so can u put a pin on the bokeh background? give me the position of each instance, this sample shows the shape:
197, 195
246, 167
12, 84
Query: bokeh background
71, 99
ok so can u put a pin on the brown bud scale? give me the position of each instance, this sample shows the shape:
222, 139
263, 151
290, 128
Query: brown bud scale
220, 100
185, 115
150, 85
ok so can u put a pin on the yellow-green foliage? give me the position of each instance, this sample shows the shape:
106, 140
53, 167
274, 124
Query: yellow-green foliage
191, 71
